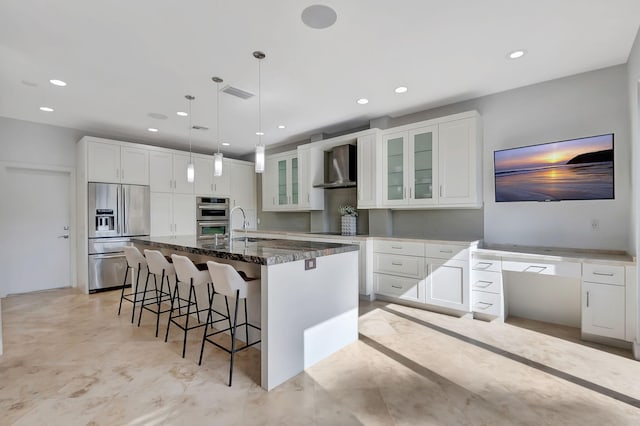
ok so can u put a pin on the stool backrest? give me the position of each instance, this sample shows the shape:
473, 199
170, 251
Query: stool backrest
226, 280
157, 263
185, 269
134, 257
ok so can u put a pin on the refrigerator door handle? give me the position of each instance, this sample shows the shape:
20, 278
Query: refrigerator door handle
125, 201
118, 210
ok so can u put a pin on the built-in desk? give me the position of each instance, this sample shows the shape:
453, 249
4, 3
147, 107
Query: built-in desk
605, 283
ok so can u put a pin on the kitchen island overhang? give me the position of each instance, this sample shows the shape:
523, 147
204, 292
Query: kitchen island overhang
308, 309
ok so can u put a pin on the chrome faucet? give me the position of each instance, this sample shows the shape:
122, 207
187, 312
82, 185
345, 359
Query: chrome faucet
244, 225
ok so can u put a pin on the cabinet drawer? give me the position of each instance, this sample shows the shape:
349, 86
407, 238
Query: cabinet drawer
447, 251
404, 288
409, 248
484, 264
563, 269
607, 274
399, 265
486, 303
490, 282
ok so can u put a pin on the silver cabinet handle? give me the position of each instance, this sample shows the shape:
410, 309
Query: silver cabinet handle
396, 263
122, 173
396, 247
409, 192
397, 286
542, 268
486, 283
587, 299
440, 191
66, 237
483, 305
604, 274
446, 251
483, 265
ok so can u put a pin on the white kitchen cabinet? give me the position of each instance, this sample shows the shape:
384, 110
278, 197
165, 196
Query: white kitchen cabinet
408, 167
172, 214
431, 164
368, 185
114, 162
603, 300
487, 294
448, 284
269, 184
243, 194
205, 183
458, 163
310, 172
168, 172
280, 182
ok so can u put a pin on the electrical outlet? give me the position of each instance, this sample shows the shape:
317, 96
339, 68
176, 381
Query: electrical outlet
595, 224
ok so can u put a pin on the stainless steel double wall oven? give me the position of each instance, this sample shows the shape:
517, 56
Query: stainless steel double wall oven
212, 217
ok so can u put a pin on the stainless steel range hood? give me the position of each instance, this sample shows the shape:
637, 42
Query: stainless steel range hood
339, 168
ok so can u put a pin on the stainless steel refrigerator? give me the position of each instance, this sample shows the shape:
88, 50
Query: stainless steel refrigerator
116, 213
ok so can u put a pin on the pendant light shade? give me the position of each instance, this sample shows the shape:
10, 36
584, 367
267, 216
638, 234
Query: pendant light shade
259, 147
217, 164
217, 157
259, 158
190, 169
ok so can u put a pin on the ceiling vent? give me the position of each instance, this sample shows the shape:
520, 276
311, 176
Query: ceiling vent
239, 93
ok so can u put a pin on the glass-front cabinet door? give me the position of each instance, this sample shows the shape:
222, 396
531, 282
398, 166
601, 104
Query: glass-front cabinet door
282, 183
294, 181
394, 153
422, 152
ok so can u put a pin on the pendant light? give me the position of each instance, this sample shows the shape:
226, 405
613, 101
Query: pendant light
190, 168
217, 157
259, 147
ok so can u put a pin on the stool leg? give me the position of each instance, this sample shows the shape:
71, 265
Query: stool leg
186, 323
135, 295
246, 323
233, 336
173, 299
159, 299
195, 299
144, 298
124, 283
210, 293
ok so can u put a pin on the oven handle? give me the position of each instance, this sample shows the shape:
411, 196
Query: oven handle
213, 206
213, 223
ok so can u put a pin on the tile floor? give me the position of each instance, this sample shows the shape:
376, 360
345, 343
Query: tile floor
69, 360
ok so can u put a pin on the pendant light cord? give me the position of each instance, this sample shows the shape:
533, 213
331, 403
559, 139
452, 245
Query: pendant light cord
190, 98
218, 115
260, 101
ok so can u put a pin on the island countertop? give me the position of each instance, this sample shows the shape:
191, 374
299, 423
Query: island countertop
261, 251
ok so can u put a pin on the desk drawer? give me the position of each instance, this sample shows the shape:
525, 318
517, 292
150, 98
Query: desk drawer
447, 251
563, 269
480, 264
400, 265
486, 303
403, 288
490, 282
409, 248
606, 274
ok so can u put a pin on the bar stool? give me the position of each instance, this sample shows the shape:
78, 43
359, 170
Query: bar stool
158, 266
135, 260
230, 283
196, 276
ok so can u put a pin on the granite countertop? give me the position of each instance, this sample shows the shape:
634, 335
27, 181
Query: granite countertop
260, 251
556, 253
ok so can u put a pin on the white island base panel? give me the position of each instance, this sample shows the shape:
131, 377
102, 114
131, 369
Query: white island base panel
307, 315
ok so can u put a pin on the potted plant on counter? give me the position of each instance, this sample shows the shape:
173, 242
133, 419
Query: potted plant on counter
348, 216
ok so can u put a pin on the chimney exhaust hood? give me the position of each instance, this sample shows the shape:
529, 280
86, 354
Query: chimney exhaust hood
340, 167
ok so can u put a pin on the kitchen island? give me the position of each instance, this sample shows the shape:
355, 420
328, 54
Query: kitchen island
308, 295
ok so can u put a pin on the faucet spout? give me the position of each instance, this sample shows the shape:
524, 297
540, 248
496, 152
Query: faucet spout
244, 224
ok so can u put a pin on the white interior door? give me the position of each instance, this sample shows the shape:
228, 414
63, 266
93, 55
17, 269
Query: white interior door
36, 217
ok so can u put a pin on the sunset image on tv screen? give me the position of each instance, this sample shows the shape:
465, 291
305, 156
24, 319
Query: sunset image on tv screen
576, 169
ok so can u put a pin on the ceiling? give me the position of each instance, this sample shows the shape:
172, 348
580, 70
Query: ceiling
125, 59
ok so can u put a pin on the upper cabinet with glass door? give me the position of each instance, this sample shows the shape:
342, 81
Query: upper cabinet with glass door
408, 168
434, 163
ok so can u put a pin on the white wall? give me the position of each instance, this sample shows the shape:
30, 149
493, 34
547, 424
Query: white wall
633, 72
586, 104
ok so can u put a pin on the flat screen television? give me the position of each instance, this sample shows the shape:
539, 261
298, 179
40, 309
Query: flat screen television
575, 169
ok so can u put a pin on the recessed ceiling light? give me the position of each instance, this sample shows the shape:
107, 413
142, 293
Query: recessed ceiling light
363, 101
516, 54
46, 109
282, 126
152, 130
259, 133
225, 144
58, 82
182, 113
319, 16
400, 89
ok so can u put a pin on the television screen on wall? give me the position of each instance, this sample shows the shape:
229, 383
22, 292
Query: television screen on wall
575, 169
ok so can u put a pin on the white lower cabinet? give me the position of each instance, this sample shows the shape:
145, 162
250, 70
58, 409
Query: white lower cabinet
448, 284
486, 287
400, 287
172, 214
604, 300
